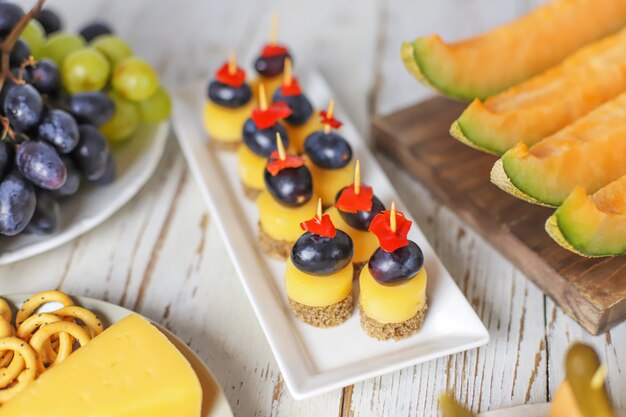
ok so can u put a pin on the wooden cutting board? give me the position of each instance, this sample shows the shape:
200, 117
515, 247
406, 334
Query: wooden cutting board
592, 291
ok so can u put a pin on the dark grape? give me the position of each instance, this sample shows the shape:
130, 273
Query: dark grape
60, 129
270, 66
92, 152
402, 264
72, 180
95, 29
10, 14
301, 107
291, 186
23, 106
110, 173
361, 219
19, 53
263, 141
320, 255
6, 157
92, 107
328, 150
40, 163
227, 96
45, 77
50, 21
17, 203
45, 220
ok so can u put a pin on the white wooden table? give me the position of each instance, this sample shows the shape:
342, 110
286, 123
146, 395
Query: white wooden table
162, 256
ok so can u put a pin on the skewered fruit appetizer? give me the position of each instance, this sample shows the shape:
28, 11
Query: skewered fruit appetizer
55, 114
329, 157
303, 119
318, 279
259, 141
287, 199
393, 285
353, 212
271, 63
229, 106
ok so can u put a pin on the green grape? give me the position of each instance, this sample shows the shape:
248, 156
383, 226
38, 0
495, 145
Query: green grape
157, 108
35, 37
135, 79
60, 45
124, 122
85, 70
114, 48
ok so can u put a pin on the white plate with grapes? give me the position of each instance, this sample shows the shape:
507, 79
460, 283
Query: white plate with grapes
59, 114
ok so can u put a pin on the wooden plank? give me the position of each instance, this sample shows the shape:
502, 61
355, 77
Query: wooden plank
593, 291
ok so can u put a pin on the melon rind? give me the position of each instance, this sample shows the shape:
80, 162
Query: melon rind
501, 180
456, 131
553, 229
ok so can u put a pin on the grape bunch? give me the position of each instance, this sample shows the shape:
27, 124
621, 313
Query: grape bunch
65, 101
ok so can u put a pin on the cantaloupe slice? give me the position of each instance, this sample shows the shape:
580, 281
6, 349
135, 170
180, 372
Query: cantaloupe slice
590, 152
548, 102
490, 63
592, 225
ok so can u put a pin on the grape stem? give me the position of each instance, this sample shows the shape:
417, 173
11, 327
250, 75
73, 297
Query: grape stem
6, 46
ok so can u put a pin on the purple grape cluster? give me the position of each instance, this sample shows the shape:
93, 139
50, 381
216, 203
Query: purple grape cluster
51, 141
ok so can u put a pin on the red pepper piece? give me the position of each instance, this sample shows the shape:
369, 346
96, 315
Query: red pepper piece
235, 79
351, 202
292, 89
268, 118
331, 121
389, 240
322, 227
275, 164
270, 50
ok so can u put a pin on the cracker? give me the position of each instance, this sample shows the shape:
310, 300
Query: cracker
324, 317
392, 331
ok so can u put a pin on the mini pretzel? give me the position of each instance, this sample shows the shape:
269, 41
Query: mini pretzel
9, 373
46, 331
91, 321
6, 330
27, 355
33, 303
47, 354
5, 310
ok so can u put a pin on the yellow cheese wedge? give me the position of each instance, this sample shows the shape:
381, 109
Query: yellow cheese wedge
224, 124
281, 222
392, 303
365, 243
129, 370
251, 167
318, 290
328, 182
298, 134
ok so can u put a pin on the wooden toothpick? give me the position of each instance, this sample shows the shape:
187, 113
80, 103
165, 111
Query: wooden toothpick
232, 63
262, 97
329, 114
319, 209
274, 29
598, 379
287, 77
392, 217
281, 148
357, 177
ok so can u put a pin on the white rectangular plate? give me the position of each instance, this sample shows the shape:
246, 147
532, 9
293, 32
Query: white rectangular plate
315, 360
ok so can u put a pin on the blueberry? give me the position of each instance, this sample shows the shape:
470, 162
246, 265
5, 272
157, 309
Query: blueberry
93, 107
50, 21
95, 29
23, 106
46, 218
263, 141
72, 180
328, 150
301, 107
361, 219
227, 96
270, 66
110, 173
320, 255
92, 153
17, 203
10, 14
6, 157
40, 163
293, 187
400, 265
45, 77
60, 129
19, 53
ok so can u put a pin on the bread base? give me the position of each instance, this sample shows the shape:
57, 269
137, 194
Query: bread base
392, 331
324, 317
279, 249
